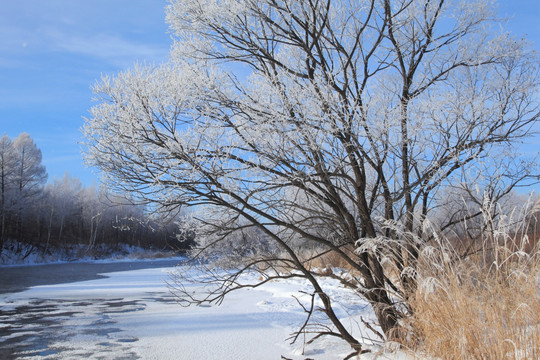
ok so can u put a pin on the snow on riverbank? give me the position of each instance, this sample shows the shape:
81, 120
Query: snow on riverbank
132, 314
16, 254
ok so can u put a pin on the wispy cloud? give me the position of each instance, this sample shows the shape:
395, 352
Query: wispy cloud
111, 48
88, 29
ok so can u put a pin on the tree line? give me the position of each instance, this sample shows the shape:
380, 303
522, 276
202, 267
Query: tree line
43, 217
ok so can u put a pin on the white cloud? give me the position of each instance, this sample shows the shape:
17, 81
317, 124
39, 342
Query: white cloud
111, 48
94, 30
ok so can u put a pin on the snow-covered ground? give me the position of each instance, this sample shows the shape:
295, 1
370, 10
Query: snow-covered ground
16, 254
131, 314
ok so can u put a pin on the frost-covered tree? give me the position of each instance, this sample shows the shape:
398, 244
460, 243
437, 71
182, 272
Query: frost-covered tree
7, 164
327, 126
29, 172
64, 204
29, 175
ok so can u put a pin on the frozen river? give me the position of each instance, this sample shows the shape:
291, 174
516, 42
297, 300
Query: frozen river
124, 310
66, 310
19, 278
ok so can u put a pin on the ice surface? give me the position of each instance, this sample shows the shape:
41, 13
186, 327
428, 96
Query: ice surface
131, 314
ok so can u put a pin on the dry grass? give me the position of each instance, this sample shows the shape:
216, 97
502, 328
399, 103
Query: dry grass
480, 318
483, 307
330, 259
325, 261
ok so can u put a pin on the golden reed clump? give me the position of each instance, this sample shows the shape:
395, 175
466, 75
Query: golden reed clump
482, 306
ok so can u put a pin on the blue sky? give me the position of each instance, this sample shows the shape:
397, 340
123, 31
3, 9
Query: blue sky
52, 51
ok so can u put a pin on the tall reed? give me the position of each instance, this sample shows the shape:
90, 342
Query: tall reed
484, 304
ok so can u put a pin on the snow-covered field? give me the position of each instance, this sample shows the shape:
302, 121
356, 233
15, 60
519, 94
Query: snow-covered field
131, 314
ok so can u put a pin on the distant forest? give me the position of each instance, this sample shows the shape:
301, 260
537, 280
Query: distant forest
36, 216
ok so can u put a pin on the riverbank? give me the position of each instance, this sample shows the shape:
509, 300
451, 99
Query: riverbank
17, 254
